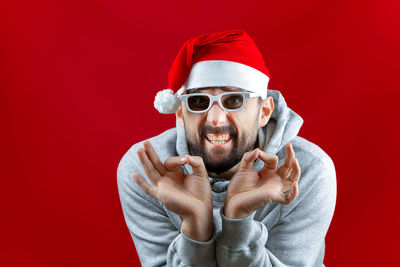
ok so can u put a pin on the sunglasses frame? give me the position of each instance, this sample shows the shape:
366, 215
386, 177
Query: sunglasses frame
217, 98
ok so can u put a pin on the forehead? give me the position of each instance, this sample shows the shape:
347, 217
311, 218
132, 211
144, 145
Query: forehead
215, 90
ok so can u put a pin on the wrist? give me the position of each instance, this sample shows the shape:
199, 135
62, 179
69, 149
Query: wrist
234, 213
199, 226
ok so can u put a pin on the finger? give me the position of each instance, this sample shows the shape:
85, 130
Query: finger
148, 167
294, 191
173, 163
248, 160
198, 166
270, 160
290, 150
153, 157
285, 169
296, 171
289, 154
146, 187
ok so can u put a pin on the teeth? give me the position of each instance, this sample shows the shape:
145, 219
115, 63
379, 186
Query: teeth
218, 142
221, 137
218, 139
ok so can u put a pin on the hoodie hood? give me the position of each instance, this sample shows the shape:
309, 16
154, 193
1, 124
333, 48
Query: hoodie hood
283, 125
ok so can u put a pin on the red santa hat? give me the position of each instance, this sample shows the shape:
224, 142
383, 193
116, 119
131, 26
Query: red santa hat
227, 58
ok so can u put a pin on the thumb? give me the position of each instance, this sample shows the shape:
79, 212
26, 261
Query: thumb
197, 163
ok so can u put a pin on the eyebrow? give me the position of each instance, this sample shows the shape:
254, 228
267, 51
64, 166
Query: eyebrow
226, 89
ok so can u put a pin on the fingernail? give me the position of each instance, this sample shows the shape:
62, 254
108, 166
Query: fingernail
192, 159
182, 159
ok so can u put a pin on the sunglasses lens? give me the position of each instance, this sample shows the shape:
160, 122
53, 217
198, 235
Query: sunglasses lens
198, 102
232, 101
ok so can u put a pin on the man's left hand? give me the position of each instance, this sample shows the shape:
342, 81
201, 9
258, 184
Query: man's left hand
249, 190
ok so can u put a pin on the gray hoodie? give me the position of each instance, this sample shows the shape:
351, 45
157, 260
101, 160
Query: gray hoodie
275, 235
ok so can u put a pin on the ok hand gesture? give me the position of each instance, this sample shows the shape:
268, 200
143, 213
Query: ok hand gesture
250, 190
188, 195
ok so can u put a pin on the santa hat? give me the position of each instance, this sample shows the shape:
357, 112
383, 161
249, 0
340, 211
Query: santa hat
227, 58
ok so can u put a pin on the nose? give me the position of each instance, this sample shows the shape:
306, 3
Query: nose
216, 116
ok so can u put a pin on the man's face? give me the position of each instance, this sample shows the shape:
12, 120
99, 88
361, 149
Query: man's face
220, 137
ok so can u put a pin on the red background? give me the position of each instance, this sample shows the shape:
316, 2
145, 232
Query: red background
77, 82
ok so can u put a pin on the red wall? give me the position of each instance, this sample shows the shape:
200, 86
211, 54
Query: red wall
77, 83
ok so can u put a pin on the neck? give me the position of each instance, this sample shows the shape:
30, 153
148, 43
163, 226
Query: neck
227, 175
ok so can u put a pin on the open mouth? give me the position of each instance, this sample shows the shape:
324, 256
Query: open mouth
218, 139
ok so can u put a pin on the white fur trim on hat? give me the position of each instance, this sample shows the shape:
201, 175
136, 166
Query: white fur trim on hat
166, 101
215, 73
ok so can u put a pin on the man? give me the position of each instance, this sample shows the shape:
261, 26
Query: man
209, 192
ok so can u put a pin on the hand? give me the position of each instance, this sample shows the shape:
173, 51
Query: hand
188, 195
249, 190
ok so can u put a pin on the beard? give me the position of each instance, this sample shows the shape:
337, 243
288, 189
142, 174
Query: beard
216, 162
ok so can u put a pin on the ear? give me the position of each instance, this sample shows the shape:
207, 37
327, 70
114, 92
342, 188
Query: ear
267, 106
179, 116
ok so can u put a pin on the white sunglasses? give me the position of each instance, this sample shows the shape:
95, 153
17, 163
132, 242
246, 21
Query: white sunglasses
230, 101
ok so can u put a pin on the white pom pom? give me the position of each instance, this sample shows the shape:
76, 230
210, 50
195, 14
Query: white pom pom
166, 101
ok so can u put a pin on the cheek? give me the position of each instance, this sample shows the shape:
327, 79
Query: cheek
192, 122
251, 110
246, 124
240, 123
246, 118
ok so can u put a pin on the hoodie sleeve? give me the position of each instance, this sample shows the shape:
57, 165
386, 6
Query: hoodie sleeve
297, 239
157, 240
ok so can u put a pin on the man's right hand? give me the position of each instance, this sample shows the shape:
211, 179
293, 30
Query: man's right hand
188, 195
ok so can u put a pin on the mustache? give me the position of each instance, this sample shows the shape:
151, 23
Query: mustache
227, 129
